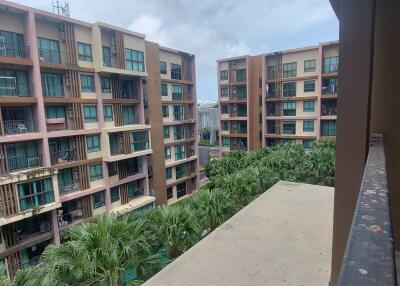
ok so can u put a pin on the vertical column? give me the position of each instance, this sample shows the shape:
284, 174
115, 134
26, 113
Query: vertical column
56, 231
141, 107
318, 86
263, 96
146, 179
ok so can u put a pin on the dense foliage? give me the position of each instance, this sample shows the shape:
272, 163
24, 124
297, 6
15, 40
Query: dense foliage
105, 251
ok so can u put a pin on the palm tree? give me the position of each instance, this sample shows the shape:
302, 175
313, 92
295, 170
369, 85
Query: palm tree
30, 276
100, 252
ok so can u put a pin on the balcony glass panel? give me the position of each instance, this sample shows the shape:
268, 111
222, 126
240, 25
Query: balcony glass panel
140, 141
14, 83
49, 50
35, 194
18, 120
23, 156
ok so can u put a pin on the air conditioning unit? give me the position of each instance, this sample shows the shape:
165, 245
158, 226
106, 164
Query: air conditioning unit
62, 36
114, 49
71, 113
67, 80
42, 59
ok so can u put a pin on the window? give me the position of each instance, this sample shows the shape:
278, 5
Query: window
106, 56
181, 190
289, 141
241, 75
108, 113
128, 115
163, 67
309, 86
289, 109
289, 89
177, 92
65, 178
289, 70
114, 194
330, 64
223, 75
176, 71
179, 152
224, 92
309, 65
168, 173
96, 172
225, 125
225, 142
14, 45
90, 113
289, 127
308, 106
49, 50
105, 84
134, 60
87, 83
98, 200
165, 111
271, 72
13, 82
164, 89
180, 171
112, 168
85, 52
55, 112
52, 84
140, 141
271, 88
307, 143
178, 112
93, 143
167, 153
35, 194
328, 128
308, 125
166, 132
329, 85
179, 132
224, 109
170, 193
22, 155
241, 92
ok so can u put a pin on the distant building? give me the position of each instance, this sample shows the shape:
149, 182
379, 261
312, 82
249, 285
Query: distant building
208, 123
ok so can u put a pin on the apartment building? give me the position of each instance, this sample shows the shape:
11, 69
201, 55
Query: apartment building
75, 114
281, 97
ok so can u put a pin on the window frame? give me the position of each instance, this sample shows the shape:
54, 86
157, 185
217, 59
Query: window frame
97, 172
105, 84
93, 118
163, 67
134, 60
223, 75
166, 134
289, 70
307, 124
164, 89
288, 90
93, 144
87, 83
310, 65
306, 108
108, 117
84, 52
307, 84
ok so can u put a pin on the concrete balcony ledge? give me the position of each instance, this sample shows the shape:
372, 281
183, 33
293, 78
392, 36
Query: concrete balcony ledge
282, 238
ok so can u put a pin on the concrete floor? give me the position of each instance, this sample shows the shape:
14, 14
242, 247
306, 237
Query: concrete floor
282, 238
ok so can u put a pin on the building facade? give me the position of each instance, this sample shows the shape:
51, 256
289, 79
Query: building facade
207, 119
282, 97
80, 132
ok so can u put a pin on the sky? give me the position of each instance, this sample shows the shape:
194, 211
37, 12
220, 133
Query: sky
214, 29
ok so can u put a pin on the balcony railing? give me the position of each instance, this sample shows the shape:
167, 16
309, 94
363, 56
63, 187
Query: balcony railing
68, 188
63, 156
52, 56
330, 68
19, 126
45, 227
369, 256
328, 111
140, 146
131, 119
12, 88
176, 75
70, 218
116, 149
16, 163
177, 96
138, 192
332, 89
15, 52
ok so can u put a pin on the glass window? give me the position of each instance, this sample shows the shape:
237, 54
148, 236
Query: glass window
93, 143
225, 125
241, 75
289, 141
105, 84
108, 113
55, 112
178, 112
65, 178
96, 172
241, 92
14, 45
179, 132
165, 111
84, 52
308, 125
224, 109
289, 70
176, 71
180, 171
134, 60
179, 152
163, 67
289, 108
289, 89
309, 86
308, 106
106, 56
309, 65
166, 132
168, 173
13, 82
271, 88
98, 200
223, 75
87, 83
49, 50
170, 193
330, 64
90, 113
167, 152
225, 142
181, 190
289, 127
35, 194
271, 72
177, 92
140, 141
52, 84
307, 143
329, 85
112, 168
224, 92
164, 89
328, 128
114, 194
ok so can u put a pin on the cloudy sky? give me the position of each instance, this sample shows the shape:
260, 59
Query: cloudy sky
214, 29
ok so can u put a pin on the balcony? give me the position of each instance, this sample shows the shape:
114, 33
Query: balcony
22, 52
69, 187
130, 119
10, 87
116, 149
328, 108
273, 241
12, 127
17, 163
52, 56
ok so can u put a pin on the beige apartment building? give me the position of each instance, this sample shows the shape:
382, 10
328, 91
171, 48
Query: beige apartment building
281, 97
85, 110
